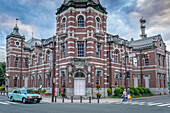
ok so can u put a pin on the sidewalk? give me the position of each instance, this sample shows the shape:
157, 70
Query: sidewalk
77, 101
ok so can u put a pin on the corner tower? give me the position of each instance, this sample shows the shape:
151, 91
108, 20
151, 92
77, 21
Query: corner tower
81, 39
14, 48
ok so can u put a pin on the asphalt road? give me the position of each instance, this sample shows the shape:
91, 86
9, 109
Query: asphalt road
159, 104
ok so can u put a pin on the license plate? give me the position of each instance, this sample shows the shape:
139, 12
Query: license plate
35, 99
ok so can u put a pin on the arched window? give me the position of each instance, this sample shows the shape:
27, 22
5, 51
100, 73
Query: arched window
80, 21
64, 24
98, 23
116, 56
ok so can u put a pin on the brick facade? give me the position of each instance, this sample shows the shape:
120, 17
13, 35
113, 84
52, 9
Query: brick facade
83, 62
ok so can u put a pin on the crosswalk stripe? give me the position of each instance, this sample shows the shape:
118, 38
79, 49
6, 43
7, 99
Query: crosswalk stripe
163, 105
12, 102
153, 104
4, 103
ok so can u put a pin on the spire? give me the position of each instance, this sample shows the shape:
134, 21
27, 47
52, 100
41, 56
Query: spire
143, 21
16, 29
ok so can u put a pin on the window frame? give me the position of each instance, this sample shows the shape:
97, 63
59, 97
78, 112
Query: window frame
81, 21
80, 49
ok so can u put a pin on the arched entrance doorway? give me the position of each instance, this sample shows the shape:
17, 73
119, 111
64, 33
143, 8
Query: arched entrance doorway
79, 84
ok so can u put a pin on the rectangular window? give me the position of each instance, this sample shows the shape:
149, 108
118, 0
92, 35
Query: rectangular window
7, 59
159, 57
63, 77
48, 81
15, 81
107, 54
41, 59
26, 63
107, 79
33, 81
80, 49
116, 57
63, 49
98, 77
98, 51
135, 64
16, 61
163, 61
146, 61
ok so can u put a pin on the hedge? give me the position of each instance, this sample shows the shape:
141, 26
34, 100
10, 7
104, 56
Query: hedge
140, 90
109, 91
117, 91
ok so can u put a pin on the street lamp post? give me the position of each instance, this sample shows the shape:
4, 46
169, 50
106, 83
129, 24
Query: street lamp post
54, 62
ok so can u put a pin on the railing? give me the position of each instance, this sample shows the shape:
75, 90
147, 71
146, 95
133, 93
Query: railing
3, 93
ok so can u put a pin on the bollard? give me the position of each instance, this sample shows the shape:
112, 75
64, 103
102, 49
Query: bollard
98, 99
55, 98
80, 99
89, 99
71, 99
63, 99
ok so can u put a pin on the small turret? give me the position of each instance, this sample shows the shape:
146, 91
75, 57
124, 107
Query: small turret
143, 21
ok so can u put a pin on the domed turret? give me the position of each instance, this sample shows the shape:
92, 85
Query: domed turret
95, 1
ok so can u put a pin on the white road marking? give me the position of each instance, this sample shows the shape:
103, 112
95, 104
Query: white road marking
12, 102
163, 105
4, 103
153, 104
141, 103
134, 103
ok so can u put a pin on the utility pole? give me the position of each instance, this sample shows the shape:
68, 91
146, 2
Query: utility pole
110, 69
141, 77
54, 63
126, 84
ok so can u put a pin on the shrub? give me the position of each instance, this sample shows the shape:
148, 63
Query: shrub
122, 87
113, 86
117, 91
43, 91
136, 91
145, 90
109, 91
131, 91
148, 90
98, 95
140, 90
2, 88
36, 91
63, 94
63, 85
141, 86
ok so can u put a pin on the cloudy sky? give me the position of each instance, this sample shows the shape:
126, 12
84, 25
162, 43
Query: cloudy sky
123, 17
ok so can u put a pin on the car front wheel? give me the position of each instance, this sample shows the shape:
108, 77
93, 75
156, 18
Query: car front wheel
12, 99
38, 102
23, 100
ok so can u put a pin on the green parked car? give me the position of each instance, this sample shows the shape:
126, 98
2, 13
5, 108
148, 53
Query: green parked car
24, 95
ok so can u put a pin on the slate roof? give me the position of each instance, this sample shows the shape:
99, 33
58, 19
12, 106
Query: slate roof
81, 4
145, 43
15, 33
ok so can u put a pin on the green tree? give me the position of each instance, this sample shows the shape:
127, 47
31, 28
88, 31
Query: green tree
2, 73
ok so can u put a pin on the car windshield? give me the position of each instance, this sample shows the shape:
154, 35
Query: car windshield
27, 91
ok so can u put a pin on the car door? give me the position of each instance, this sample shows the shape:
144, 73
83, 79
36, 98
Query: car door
14, 95
19, 95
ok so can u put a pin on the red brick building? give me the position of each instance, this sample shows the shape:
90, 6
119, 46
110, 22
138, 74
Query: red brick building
86, 58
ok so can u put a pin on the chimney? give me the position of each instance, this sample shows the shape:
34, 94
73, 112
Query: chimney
142, 22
